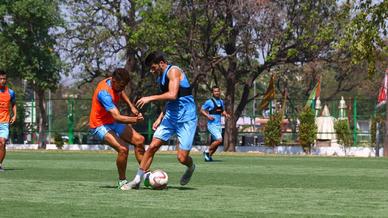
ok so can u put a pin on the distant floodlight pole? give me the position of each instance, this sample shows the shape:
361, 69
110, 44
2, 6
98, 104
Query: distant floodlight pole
254, 100
49, 116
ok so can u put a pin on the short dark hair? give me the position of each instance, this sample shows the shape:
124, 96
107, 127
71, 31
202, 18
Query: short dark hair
121, 74
155, 58
2, 72
215, 87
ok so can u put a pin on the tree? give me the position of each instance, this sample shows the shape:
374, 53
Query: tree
364, 36
343, 132
28, 28
307, 129
102, 35
257, 36
273, 130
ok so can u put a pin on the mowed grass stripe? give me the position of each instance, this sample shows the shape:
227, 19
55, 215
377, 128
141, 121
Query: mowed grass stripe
82, 184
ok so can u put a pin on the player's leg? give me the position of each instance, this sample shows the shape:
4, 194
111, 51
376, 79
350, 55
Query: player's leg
2, 153
122, 152
206, 154
216, 135
146, 162
107, 134
214, 145
122, 157
150, 153
4, 132
131, 136
186, 135
162, 133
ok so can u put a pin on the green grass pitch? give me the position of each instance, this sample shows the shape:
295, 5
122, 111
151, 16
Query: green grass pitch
82, 184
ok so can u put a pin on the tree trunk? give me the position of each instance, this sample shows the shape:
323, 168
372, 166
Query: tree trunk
42, 118
230, 136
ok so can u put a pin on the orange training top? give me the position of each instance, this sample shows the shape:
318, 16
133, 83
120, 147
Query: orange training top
99, 115
5, 101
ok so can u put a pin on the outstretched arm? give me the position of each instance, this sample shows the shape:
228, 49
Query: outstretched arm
106, 100
125, 119
174, 76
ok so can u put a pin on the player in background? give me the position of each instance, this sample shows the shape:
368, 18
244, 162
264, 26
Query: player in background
109, 125
179, 116
7, 100
213, 109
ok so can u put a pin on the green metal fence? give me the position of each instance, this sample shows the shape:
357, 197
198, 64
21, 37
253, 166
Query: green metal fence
68, 120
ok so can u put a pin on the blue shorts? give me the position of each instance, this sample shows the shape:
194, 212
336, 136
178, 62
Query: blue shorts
185, 132
215, 132
4, 130
101, 131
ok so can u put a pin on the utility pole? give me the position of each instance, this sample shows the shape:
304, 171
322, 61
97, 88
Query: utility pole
49, 117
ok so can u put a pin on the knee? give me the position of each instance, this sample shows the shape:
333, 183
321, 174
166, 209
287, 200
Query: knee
2, 144
152, 149
140, 141
139, 148
123, 150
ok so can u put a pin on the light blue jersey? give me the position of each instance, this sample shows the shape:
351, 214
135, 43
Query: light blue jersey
209, 106
183, 108
180, 116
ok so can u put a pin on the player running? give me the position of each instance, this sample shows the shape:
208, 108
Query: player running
212, 109
7, 100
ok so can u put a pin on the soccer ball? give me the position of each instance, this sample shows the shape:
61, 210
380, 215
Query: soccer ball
158, 179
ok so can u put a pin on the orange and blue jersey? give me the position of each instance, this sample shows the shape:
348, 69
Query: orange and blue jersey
104, 99
7, 97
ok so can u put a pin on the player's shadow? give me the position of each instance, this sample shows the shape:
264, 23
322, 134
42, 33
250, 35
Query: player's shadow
109, 186
213, 161
182, 188
12, 169
169, 187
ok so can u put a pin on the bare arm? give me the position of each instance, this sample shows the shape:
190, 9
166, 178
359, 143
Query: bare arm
125, 119
129, 103
206, 114
158, 121
174, 76
13, 118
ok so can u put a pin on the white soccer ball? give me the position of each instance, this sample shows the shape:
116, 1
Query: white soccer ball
158, 179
